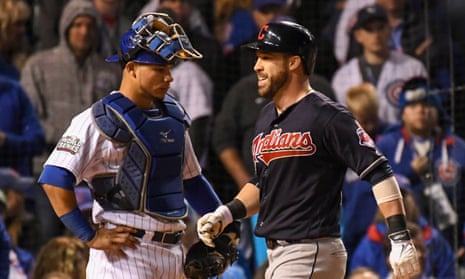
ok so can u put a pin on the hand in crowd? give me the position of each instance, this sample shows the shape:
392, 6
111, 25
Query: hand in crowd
420, 164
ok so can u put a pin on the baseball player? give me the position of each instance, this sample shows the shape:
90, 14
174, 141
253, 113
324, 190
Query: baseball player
302, 146
133, 150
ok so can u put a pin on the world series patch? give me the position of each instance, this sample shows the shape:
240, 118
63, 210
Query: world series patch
70, 144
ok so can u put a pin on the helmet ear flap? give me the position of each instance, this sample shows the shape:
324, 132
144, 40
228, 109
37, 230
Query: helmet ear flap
310, 61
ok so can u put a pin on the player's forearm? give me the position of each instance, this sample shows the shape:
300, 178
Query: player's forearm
250, 197
388, 196
391, 208
234, 165
62, 200
65, 206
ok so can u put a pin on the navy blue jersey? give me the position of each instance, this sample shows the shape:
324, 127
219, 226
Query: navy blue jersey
301, 157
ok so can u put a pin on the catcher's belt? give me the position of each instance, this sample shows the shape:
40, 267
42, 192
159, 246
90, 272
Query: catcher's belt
162, 237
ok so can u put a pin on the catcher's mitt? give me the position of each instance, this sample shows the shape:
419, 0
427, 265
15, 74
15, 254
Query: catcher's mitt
204, 262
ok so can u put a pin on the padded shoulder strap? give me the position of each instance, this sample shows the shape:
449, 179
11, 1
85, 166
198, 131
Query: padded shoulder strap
109, 123
176, 110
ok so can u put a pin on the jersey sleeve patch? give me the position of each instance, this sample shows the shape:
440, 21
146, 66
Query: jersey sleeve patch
363, 138
71, 144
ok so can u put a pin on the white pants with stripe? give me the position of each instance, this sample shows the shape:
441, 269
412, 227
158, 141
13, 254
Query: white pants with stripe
322, 259
149, 260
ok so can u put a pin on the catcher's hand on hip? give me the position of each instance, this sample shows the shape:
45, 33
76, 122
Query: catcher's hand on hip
403, 257
210, 225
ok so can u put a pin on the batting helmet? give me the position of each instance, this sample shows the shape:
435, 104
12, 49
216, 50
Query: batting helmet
287, 37
154, 38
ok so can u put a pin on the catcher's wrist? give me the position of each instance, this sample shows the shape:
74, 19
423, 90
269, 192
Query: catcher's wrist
237, 208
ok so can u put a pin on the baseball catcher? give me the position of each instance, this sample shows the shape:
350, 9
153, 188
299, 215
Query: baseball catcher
204, 261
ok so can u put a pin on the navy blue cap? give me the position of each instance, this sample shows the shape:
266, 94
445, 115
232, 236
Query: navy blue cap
258, 4
418, 90
369, 13
10, 179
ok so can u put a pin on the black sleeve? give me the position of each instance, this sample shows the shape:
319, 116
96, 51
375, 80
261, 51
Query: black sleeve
380, 173
349, 142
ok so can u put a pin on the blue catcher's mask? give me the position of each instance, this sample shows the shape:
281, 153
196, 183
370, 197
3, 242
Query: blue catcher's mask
154, 39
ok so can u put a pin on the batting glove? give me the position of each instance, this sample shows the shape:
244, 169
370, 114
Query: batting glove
210, 225
403, 256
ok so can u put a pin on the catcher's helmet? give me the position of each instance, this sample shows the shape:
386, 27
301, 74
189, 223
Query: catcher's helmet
154, 39
288, 37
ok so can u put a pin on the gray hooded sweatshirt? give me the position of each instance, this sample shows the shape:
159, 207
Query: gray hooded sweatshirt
61, 87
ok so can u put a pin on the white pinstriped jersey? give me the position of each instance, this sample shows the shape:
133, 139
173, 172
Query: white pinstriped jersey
398, 68
86, 153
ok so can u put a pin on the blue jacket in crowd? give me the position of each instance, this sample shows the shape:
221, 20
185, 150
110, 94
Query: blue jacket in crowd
24, 134
370, 252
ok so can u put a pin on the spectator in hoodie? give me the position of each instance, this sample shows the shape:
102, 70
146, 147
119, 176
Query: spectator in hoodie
64, 80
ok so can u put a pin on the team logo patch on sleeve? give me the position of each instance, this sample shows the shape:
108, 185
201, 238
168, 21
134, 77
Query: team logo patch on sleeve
70, 144
364, 139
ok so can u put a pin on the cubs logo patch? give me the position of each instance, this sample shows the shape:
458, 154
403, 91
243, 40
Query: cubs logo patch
448, 172
392, 91
70, 144
276, 145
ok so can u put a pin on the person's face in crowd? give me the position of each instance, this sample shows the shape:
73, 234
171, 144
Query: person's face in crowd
272, 73
107, 8
374, 36
152, 81
420, 118
266, 14
14, 36
365, 275
82, 35
180, 7
15, 203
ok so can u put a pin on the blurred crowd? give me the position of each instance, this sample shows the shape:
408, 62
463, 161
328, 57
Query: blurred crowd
397, 65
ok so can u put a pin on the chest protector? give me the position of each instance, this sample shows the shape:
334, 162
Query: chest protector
150, 178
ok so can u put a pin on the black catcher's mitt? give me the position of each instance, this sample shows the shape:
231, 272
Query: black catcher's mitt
204, 262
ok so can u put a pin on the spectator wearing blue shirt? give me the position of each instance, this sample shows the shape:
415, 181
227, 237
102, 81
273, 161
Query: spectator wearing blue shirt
21, 134
370, 252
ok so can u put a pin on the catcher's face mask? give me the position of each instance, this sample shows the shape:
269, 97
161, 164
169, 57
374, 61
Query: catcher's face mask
158, 39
